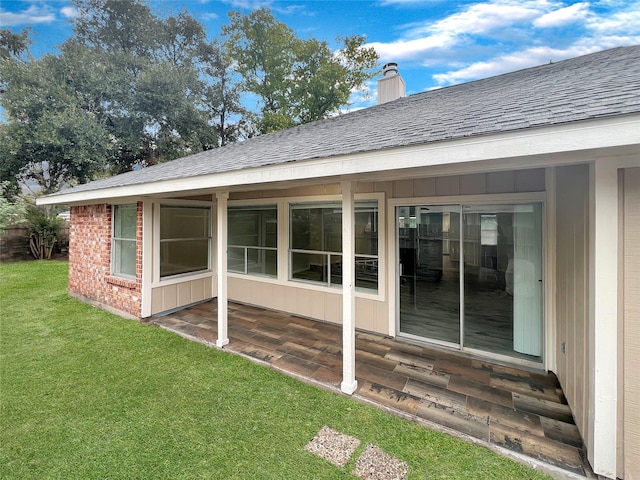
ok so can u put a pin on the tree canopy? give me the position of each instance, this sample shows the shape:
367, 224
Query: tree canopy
132, 88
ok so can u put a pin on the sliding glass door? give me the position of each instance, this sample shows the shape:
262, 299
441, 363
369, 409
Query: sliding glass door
428, 239
471, 276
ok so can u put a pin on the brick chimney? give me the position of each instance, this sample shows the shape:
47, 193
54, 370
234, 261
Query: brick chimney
391, 85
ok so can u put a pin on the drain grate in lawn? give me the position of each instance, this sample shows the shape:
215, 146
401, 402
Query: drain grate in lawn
373, 464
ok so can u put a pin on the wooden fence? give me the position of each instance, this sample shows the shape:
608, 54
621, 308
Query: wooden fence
14, 244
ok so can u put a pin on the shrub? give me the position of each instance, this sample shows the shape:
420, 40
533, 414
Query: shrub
44, 227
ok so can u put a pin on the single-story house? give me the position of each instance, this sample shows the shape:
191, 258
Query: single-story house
498, 218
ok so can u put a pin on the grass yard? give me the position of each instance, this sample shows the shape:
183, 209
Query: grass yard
87, 395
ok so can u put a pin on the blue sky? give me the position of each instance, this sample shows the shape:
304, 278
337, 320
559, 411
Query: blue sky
435, 42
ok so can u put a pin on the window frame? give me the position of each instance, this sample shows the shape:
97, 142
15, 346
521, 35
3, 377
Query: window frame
260, 248
115, 241
185, 276
365, 259
283, 242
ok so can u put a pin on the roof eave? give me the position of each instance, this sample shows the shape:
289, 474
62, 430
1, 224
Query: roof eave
570, 137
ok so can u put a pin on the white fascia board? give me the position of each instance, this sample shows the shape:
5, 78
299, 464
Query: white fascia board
574, 137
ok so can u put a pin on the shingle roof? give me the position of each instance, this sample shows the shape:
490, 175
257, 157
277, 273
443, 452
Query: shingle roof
597, 85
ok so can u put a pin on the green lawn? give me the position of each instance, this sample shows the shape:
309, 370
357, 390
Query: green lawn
86, 394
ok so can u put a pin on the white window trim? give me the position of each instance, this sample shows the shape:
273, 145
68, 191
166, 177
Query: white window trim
282, 204
249, 203
182, 277
490, 199
112, 259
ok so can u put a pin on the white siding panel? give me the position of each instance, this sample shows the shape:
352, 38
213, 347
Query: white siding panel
308, 302
178, 295
448, 185
572, 281
631, 312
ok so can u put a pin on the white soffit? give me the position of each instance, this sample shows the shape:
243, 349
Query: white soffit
549, 141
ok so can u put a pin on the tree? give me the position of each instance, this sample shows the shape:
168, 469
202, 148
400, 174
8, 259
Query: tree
118, 26
152, 103
12, 211
264, 51
132, 89
297, 81
53, 137
14, 45
221, 95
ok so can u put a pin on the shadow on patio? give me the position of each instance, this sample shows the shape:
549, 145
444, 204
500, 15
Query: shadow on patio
519, 410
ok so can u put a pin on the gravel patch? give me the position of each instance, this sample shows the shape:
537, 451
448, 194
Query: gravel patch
374, 464
333, 446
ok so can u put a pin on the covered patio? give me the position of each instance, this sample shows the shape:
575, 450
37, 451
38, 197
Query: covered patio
519, 410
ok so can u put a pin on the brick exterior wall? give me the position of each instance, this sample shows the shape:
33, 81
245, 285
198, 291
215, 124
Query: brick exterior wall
90, 261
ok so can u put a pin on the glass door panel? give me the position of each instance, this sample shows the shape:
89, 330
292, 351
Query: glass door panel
503, 279
429, 257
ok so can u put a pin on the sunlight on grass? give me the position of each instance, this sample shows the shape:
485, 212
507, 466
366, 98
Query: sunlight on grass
86, 394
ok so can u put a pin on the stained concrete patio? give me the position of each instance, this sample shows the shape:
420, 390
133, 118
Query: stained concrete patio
505, 408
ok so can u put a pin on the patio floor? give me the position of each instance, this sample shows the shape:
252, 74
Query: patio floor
520, 410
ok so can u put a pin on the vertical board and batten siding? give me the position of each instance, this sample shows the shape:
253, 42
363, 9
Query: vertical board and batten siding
572, 290
517, 181
176, 295
631, 324
371, 314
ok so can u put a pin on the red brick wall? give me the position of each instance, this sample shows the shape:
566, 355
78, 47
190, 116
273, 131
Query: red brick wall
90, 260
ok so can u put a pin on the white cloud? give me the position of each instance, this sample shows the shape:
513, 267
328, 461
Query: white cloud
529, 57
563, 16
491, 37
619, 23
410, 49
484, 18
32, 15
69, 12
249, 4
287, 9
209, 16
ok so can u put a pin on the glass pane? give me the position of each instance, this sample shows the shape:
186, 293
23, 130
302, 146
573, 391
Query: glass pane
183, 256
503, 279
316, 228
124, 221
336, 269
331, 230
235, 259
366, 225
253, 226
124, 257
309, 266
367, 273
184, 222
263, 262
428, 242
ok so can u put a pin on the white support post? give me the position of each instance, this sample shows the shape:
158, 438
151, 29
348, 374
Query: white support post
349, 383
603, 317
221, 261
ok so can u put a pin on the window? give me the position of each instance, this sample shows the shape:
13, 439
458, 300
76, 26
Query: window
185, 239
253, 240
123, 253
315, 253
366, 225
